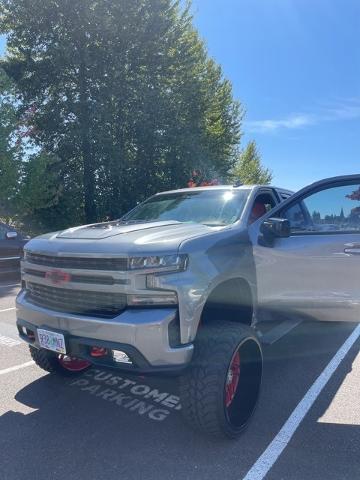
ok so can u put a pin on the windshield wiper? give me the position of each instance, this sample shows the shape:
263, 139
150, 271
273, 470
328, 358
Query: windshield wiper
215, 224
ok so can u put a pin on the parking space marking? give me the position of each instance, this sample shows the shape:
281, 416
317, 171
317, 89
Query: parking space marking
9, 342
11, 285
17, 367
344, 406
264, 463
8, 309
138, 397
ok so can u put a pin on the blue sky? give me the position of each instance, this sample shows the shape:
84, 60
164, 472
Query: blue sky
295, 67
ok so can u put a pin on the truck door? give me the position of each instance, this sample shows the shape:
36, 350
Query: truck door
316, 270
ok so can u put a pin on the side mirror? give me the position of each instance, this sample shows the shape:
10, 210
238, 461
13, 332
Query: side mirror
272, 228
11, 235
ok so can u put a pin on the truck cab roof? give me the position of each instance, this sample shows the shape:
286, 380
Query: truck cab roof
284, 193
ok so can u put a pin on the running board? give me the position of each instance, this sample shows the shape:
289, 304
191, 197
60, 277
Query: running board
278, 332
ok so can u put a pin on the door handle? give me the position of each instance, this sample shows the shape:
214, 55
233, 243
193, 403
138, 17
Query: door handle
352, 248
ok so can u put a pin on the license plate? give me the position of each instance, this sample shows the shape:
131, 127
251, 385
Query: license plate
51, 340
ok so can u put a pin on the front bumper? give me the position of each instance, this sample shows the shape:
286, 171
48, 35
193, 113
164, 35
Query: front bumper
143, 334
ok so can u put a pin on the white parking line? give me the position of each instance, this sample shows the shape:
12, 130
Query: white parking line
11, 285
264, 463
17, 367
8, 309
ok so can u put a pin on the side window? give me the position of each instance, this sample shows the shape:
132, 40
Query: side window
263, 203
331, 210
3, 231
298, 217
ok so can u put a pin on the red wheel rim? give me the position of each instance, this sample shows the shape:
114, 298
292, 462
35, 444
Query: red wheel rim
232, 379
73, 364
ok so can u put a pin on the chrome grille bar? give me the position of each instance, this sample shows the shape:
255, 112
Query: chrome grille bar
86, 263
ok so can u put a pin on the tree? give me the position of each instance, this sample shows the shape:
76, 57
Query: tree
48, 197
10, 150
122, 93
248, 168
35, 192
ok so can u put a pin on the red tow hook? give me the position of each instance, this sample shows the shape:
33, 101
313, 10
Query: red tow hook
98, 352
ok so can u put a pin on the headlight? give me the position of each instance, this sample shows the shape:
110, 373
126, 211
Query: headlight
167, 263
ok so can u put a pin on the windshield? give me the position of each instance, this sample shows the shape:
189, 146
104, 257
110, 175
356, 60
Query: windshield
209, 207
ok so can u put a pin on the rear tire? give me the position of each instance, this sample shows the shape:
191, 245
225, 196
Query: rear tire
219, 391
50, 362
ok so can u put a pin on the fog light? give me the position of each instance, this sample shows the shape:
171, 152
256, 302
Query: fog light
121, 357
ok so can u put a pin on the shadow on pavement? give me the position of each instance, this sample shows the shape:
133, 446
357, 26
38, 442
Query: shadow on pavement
75, 434
80, 430
325, 450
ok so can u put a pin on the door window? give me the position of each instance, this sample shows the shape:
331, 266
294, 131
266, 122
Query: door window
335, 209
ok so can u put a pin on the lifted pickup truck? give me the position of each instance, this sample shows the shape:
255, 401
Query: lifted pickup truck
179, 283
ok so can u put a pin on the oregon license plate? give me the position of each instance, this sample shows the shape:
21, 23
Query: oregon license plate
51, 340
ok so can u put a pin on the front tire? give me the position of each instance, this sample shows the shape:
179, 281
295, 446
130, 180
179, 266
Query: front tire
58, 364
219, 392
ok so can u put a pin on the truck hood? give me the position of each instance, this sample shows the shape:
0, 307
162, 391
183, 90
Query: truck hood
99, 231
120, 238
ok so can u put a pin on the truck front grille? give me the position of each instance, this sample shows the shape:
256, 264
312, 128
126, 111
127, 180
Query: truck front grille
96, 280
86, 263
79, 302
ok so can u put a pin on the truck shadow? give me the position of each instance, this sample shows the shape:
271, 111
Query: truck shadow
78, 429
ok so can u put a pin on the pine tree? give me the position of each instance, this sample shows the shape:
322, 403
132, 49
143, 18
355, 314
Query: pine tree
10, 150
248, 168
122, 93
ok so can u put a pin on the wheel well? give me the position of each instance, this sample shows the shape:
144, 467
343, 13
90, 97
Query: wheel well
231, 301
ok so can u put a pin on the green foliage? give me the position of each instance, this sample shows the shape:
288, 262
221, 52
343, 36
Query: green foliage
48, 198
123, 98
248, 168
10, 150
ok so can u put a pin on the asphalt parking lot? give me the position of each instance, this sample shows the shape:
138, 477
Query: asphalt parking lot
78, 428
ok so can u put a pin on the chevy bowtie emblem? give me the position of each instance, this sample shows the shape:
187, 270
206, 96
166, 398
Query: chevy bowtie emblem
58, 276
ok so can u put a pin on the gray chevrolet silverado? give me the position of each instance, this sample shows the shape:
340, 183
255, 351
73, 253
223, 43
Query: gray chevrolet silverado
179, 284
